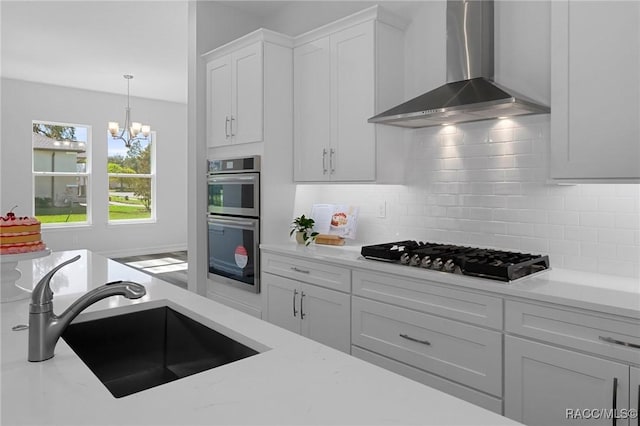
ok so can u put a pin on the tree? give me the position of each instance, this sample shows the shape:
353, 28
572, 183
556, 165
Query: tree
55, 132
121, 181
142, 186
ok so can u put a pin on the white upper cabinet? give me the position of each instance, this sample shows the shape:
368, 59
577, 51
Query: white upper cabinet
312, 109
595, 86
234, 97
238, 77
338, 85
246, 94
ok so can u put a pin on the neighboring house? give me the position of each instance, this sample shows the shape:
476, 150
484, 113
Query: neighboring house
52, 156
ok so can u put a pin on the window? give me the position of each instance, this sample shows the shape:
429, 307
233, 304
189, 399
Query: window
131, 179
61, 172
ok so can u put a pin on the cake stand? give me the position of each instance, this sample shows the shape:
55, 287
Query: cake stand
9, 274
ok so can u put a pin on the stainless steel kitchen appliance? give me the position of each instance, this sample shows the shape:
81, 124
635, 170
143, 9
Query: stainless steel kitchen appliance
480, 262
233, 222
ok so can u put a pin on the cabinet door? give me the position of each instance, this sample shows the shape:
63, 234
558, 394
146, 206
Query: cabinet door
352, 155
218, 101
326, 316
312, 110
595, 125
634, 395
247, 94
543, 382
283, 298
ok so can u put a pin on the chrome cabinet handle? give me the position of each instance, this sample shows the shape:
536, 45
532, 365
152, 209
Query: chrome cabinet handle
614, 405
304, 271
619, 342
331, 153
413, 339
295, 293
302, 314
324, 161
226, 127
232, 120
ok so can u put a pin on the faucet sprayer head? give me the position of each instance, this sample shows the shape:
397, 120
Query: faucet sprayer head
131, 290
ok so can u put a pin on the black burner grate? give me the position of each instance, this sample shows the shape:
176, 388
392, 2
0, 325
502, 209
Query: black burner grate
480, 262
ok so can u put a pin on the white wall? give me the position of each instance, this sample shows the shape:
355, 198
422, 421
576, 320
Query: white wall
484, 184
23, 102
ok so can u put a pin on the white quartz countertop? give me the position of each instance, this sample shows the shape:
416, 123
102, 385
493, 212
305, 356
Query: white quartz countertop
602, 293
292, 381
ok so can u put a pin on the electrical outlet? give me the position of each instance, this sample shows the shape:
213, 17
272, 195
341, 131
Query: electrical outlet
382, 209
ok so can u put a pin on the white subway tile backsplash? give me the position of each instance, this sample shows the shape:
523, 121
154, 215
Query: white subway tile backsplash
485, 184
560, 247
501, 135
618, 236
577, 203
521, 229
535, 245
563, 217
597, 219
627, 221
581, 233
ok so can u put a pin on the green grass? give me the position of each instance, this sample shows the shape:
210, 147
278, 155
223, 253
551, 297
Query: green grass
62, 218
132, 201
128, 212
115, 213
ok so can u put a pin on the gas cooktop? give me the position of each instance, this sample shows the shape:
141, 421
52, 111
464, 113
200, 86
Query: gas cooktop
480, 262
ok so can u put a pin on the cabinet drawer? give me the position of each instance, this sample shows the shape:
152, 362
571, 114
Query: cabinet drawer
473, 396
329, 276
575, 329
424, 296
459, 352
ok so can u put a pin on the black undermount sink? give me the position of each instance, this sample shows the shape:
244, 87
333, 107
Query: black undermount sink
140, 350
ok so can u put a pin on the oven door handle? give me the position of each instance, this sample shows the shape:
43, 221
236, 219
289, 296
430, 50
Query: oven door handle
232, 179
232, 222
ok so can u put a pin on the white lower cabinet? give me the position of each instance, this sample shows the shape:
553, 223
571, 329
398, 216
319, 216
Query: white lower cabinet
545, 385
295, 303
568, 366
537, 363
435, 335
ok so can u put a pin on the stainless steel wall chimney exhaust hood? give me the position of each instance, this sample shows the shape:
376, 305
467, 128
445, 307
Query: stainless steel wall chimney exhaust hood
470, 93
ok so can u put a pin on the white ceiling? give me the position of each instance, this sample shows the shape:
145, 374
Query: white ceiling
90, 44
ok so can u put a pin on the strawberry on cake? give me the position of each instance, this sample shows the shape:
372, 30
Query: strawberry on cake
20, 234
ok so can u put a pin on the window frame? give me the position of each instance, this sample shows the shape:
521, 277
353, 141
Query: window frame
87, 175
151, 176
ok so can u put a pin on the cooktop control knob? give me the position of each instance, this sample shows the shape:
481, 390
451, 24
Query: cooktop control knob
449, 266
415, 260
404, 259
437, 264
425, 262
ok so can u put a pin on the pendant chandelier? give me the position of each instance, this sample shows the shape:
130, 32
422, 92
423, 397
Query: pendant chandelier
131, 131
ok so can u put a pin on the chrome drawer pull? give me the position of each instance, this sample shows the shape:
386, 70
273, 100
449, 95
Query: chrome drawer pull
295, 293
619, 342
302, 314
413, 339
304, 271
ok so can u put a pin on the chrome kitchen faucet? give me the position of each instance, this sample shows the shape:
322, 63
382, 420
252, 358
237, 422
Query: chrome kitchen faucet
45, 327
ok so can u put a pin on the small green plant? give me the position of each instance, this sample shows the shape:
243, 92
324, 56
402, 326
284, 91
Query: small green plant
304, 226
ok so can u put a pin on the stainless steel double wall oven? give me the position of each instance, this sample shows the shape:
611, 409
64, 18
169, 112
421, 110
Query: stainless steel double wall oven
233, 222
